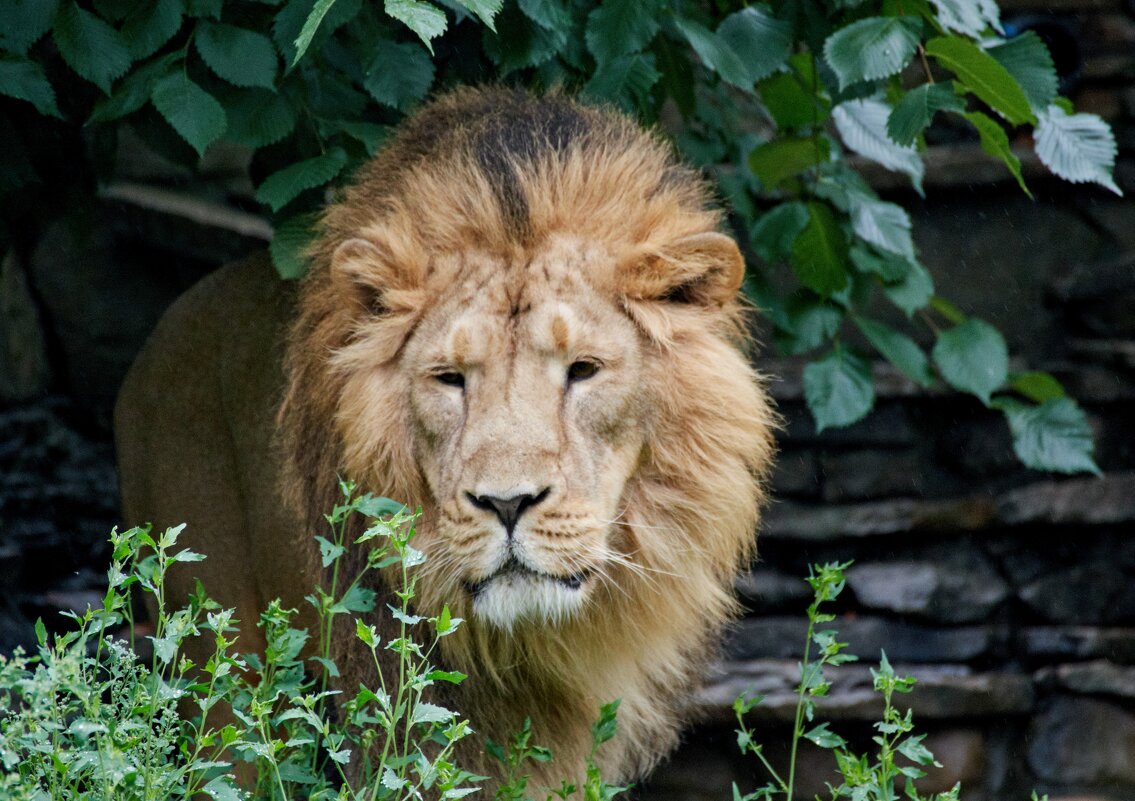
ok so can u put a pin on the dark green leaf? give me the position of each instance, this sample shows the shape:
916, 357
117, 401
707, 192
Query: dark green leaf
424, 19
281, 188
620, 27
1036, 386
969, 17
899, 349
486, 10
819, 254
289, 244
135, 89
193, 112
885, 225
241, 57
24, 80
1052, 436
25, 21
780, 159
891, 268
399, 75
914, 291
520, 43
913, 749
289, 24
89, 46
370, 134
811, 323
625, 80
824, 737
774, 232
983, 75
863, 126
550, 14
972, 357
150, 25
917, 108
357, 599
995, 142
1027, 59
791, 102
839, 389
715, 53
258, 117
205, 8
872, 48
310, 26
760, 40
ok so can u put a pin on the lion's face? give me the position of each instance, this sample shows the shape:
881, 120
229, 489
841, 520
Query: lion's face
528, 419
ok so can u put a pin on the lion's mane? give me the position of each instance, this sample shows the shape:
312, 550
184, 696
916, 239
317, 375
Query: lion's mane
496, 171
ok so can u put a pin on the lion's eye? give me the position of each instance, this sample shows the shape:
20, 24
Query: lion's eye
582, 370
451, 378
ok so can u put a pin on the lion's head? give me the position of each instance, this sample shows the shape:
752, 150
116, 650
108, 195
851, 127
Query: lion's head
522, 317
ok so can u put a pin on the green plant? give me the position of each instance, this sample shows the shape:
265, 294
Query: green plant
900, 755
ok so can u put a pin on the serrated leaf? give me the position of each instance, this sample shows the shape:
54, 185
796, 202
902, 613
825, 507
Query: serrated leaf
357, 599
995, 142
913, 292
810, 323
550, 14
774, 231
258, 117
862, 124
819, 254
1053, 436
620, 27
190, 110
872, 48
791, 103
310, 26
486, 10
780, 159
289, 24
890, 267
972, 357
281, 188
222, 788
885, 225
625, 80
399, 74
520, 43
241, 57
824, 737
89, 46
760, 40
424, 19
1027, 59
969, 17
430, 713
981, 74
715, 53
1077, 147
24, 80
1036, 386
206, 8
899, 349
25, 22
916, 110
134, 91
839, 389
150, 25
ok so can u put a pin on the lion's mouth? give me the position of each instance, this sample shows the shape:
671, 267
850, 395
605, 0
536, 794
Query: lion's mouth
514, 567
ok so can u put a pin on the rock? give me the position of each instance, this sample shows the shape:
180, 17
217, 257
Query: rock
961, 589
796, 474
1098, 677
888, 425
1086, 593
766, 590
795, 521
868, 474
1082, 741
1110, 499
24, 368
1098, 296
1048, 643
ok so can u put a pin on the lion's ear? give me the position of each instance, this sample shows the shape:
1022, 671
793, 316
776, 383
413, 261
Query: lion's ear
701, 269
364, 269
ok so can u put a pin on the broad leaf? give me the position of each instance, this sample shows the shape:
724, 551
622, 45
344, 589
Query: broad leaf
862, 124
885, 225
625, 81
486, 10
790, 101
89, 46
839, 389
811, 322
292, 20
24, 80
25, 22
430, 713
972, 357
241, 57
1027, 59
774, 232
969, 17
913, 292
819, 254
280, 188
399, 74
995, 142
780, 159
1052, 436
520, 43
916, 110
424, 19
760, 40
551, 14
980, 73
310, 26
620, 27
134, 91
1077, 147
258, 117
891, 268
190, 110
899, 349
872, 48
1036, 386
716, 53
150, 25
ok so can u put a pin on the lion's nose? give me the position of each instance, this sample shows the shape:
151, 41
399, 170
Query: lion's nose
508, 510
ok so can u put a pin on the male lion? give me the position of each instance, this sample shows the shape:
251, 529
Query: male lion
521, 317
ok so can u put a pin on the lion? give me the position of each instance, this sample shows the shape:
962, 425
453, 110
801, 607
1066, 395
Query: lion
521, 316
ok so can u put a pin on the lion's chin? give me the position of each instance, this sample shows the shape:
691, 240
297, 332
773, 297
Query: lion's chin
510, 597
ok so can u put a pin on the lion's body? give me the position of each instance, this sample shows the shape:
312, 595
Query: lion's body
520, 318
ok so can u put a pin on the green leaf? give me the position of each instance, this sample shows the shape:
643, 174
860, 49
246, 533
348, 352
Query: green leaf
24, 80
969, 17
862, 124
289, 24
550, 14
913, 292
810, 323
206, 8
1027, 59
258, 117
872, 48
980, 73
1052, 436
424, 19
760, 40
791, 102
25, 22
972, 357
915, 111
399, 74
520, 43
885, 225
430, 713
780, 159
1077, 147
824, 737
289, 245
899, 349
819, 254
310, 26
40, 631
625, 80
995, 142
1036, 386
774, 231
715, 53
193, 112
357, 599
135, 89
241, 57
280, 188
890, 267
89, 46
620, 27
839, 389
486, 10
150, 25
222, 788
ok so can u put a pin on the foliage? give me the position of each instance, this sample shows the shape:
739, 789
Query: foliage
84, 718
771, 98
901, 754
